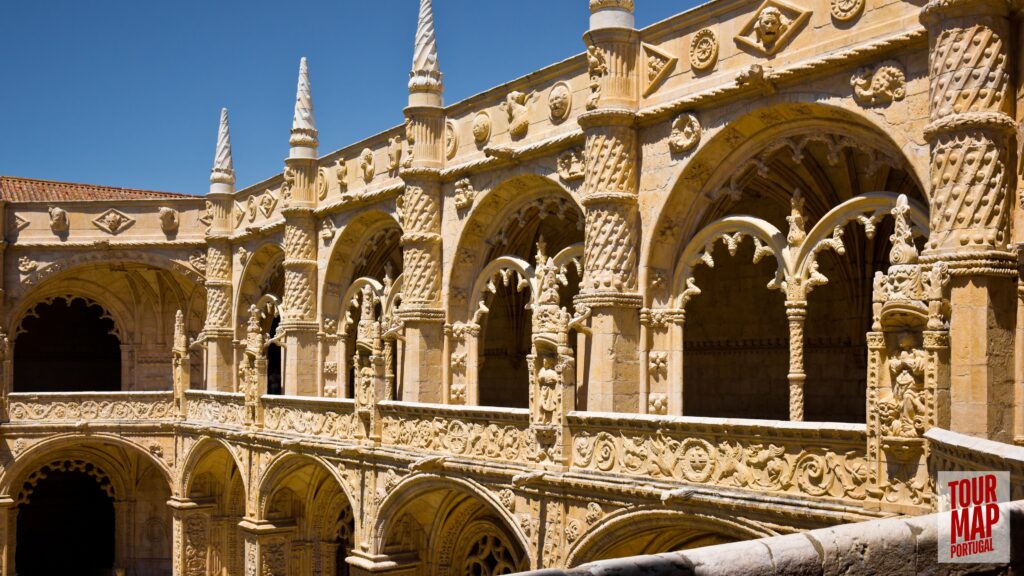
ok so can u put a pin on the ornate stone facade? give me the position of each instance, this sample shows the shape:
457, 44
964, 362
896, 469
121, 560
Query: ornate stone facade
575, 317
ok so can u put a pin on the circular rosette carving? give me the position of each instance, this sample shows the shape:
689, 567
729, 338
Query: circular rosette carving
698, 460
451, 140
846, 10
604, 451
704, 50
812, 474
457, 438
685, 134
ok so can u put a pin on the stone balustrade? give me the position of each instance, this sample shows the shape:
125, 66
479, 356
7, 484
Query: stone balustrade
500, 434
331, 418
91, 406
799, 458
216, 407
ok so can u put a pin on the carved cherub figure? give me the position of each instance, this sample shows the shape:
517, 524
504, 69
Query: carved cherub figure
907, 370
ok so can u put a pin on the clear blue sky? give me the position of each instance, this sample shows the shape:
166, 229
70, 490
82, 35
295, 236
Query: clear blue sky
128, 92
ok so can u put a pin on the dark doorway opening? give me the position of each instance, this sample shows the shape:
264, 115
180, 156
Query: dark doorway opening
67, 346
66, 527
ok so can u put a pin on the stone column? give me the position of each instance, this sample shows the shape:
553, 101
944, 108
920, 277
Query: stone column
796, 313
217, 330
972, 184
267, 548
421, 310
299, 315
8, 536
191, 536
609, 291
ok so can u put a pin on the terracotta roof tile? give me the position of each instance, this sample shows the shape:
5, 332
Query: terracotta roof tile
15, 189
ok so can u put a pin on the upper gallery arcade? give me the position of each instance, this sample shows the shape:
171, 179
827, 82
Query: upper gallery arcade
754, 249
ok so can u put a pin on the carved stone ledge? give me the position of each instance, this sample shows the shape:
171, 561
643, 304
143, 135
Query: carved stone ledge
608, 300
997, 122
607, 117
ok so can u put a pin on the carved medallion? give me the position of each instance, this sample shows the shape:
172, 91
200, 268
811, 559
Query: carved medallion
113, 222
267, 202
772, 27
168, 219
482, 128
884, 84
451, 139
704, 50
59, 222
571, 166
464, 194
659, 65
560, 102
846, 10
685, 135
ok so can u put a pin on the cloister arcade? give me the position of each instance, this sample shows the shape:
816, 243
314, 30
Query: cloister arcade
666, 310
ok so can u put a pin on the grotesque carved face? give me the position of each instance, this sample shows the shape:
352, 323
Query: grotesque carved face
559, 102
770, 24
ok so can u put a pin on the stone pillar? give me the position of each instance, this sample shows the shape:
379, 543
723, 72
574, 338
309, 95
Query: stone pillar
217, 331
972, 184
299, 315
267, 548
191, 536
796, 313
420, 209
609, 292
8, 536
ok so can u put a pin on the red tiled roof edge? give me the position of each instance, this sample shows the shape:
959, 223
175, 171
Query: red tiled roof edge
15, 189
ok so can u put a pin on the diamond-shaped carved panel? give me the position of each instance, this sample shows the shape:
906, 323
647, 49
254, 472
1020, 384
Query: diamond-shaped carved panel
772, 27
659, 66
113, 222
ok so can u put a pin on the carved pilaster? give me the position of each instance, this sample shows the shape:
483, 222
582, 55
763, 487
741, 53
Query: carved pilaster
299, 306
191, 535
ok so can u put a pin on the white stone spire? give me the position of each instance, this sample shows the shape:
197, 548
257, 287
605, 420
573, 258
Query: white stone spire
426, 71
304, 133
222, 177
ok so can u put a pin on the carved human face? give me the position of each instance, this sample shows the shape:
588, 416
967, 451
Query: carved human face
559, 102
769, 24
481, 128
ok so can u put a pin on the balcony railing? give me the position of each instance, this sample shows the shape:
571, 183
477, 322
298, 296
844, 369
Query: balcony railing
474, 431
324, 417
216, 407
90, 406
804, 458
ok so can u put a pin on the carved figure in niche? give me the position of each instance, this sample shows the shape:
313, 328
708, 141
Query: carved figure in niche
366, 164
515, 106
481, 128
685, 135
571, 165
168, 220
560, 102
366, 377
882, 85
549, 380
597, 67
906, 412
770, 25
59, 223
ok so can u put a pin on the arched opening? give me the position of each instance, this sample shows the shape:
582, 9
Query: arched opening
67, 345
66, 524
216, 486
789, 169
306, 502
505, 330
449, 530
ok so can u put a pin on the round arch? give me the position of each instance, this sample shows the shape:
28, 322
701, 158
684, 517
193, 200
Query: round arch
785, 122
199, 451
651, 530
373, 230
443, 508
255, 273
508, 203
